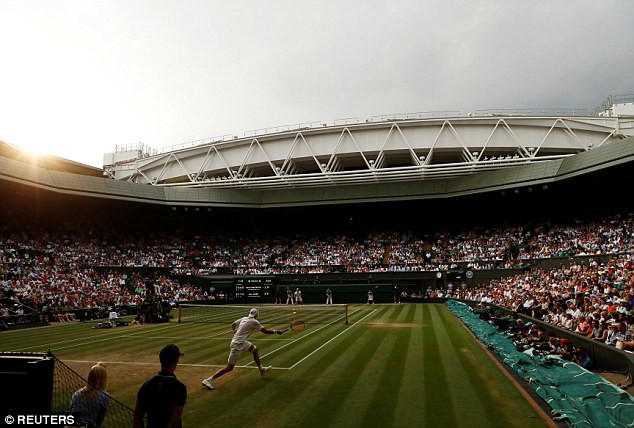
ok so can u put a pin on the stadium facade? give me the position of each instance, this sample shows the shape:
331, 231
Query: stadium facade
385, 159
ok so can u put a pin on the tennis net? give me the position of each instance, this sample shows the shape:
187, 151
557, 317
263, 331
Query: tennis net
310, 314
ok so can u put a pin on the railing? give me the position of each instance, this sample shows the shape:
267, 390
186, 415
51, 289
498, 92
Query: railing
413, 116
190, 144
146, 151
621, 99
283, 128
564, 112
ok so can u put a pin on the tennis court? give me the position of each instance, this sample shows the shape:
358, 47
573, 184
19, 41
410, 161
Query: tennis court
390, 366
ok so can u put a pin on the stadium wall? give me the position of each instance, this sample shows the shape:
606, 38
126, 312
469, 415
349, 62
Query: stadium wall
609, 155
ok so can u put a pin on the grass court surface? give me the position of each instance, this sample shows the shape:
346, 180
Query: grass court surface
391, 366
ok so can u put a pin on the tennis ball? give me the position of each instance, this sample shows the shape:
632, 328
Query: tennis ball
294, 312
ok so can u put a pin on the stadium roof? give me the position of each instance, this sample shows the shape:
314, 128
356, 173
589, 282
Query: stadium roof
61, 178
394, 150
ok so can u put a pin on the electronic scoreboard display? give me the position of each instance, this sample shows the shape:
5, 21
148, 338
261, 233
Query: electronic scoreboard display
254, 288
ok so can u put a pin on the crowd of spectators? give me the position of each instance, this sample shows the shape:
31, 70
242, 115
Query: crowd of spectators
590, 299
59, 270
57, 290
532, 339
490, 248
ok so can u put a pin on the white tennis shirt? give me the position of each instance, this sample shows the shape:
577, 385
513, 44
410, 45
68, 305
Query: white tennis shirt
246, 326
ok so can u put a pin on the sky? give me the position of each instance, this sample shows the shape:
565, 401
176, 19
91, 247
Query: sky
79, 77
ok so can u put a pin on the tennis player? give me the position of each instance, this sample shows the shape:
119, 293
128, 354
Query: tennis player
242, 329
298, 298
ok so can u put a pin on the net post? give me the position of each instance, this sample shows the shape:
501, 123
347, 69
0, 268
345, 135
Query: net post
180, 311
346, 310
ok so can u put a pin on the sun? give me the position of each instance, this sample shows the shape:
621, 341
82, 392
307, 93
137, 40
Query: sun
33, 151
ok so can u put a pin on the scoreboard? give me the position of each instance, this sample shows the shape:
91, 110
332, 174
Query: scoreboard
257, 289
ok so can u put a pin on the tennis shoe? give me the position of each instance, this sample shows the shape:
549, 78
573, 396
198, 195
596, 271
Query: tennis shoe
263, 370
208, 384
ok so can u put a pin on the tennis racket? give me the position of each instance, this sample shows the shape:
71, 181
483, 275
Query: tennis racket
295, 326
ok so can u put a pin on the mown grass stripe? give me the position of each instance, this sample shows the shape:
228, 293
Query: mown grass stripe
356, 364
384, 402
439, 409
409, 405
462, 382
493, 394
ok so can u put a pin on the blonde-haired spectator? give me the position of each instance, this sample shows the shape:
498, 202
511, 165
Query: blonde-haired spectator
90, 403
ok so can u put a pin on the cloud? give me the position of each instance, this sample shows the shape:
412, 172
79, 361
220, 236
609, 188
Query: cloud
93, 75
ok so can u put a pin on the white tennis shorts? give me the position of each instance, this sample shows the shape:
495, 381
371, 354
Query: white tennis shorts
236, 350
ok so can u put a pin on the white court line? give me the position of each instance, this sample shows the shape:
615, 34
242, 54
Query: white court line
99, 333
213, 337
111, 335
248, 365
326, 343
49, 345
132, 363
312, 332
301, 337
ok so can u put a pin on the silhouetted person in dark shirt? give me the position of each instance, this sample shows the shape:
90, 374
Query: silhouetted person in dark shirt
163, 396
